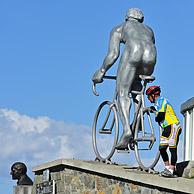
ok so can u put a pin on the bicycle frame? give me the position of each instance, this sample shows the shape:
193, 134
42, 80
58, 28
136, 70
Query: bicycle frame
138, 112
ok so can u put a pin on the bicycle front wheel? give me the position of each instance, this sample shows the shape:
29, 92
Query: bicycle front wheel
105, 131
147, 156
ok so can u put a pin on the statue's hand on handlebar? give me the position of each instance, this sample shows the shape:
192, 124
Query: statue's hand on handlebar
98, 76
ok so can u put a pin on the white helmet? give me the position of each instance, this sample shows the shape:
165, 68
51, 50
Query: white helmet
135, 13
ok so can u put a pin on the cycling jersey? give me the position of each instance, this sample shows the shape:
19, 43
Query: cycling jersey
163, 105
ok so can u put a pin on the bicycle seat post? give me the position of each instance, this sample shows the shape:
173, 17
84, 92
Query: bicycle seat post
146, 79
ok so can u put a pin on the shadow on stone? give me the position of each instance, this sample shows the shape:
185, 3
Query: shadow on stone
185, 168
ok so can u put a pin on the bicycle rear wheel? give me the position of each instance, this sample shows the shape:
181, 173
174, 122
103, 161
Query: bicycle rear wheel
146, 156
105, 131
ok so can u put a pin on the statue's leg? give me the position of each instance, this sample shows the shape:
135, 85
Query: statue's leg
125, 79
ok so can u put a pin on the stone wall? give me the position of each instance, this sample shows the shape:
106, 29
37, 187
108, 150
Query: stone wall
89, 177
71, 181
22, 189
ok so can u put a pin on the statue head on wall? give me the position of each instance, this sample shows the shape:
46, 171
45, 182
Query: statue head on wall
18, 172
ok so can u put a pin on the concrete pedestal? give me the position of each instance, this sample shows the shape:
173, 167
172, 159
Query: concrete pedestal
77, 176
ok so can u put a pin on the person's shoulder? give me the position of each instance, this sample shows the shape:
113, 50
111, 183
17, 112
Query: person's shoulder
165, 100
117, 28
161, 99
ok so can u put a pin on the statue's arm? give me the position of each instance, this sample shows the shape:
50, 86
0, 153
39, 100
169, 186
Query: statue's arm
112, 55
113, 49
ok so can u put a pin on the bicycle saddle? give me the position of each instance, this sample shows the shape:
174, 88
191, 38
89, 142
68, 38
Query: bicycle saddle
147, 78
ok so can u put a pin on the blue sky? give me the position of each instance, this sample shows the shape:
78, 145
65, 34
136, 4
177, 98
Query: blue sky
49, 50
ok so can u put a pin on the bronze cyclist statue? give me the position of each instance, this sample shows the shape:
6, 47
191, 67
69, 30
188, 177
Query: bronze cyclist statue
138, 58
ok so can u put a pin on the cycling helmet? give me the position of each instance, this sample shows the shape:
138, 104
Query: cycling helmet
153, 90
134, 13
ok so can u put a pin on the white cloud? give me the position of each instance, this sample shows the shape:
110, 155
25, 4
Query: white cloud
38, 140
23, 123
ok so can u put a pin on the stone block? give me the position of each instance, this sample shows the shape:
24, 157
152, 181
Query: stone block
38, 179
88, 181
117, 189
188, 173
101, 183
22, 190
60, 186
125, 190
146, 191
68, 179
56, 176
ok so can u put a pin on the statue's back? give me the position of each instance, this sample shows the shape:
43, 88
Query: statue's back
136, 31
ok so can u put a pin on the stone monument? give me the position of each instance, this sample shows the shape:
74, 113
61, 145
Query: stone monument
24, 183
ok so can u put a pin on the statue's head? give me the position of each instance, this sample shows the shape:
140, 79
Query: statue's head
17, 170
134, 13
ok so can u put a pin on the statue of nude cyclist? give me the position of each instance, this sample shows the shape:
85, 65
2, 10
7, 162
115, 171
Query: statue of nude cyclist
138, 57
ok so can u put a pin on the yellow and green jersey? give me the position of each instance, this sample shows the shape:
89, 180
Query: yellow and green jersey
163, 105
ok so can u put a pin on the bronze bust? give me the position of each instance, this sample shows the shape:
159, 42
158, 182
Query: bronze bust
18, 172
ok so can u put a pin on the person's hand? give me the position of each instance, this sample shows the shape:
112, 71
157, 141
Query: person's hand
98, 76
152, 109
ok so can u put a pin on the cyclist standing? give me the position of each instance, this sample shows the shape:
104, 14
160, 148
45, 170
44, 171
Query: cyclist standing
138, 57
171, 129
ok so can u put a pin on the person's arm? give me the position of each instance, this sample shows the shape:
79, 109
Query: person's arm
112, 55
160, 117
161, 110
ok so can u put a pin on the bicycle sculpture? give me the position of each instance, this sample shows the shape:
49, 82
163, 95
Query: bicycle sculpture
107, 124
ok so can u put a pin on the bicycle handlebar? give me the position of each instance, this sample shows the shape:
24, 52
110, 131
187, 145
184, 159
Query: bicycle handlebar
105, 77
110, 77
94, 89
146, 79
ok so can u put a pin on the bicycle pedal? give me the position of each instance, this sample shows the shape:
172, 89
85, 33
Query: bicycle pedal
105, 131
123, 151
